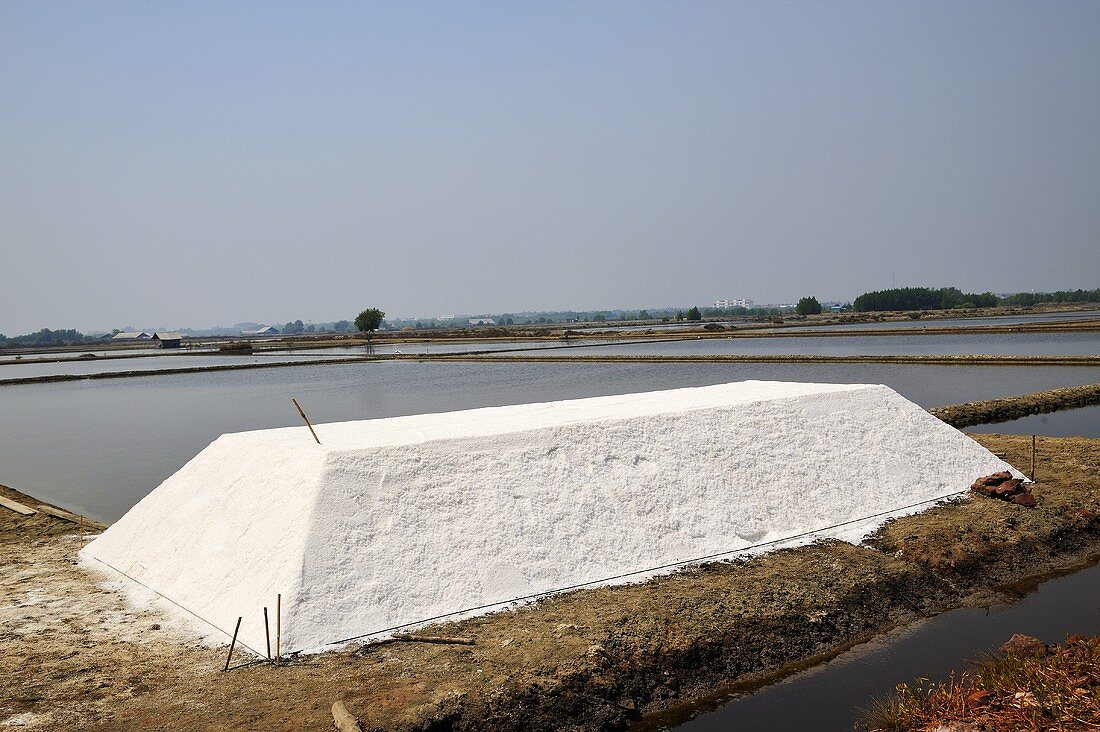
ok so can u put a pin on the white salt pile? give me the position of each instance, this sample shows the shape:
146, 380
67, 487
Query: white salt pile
392, 521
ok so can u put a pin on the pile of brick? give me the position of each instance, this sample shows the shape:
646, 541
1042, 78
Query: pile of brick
1003, 486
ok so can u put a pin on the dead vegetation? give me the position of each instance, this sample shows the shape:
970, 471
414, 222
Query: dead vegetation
1026, 687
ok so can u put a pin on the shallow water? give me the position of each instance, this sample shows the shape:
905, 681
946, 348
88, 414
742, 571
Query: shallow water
115, 365
1082, 422
968, 322
97, 447
1013, 344
830, 696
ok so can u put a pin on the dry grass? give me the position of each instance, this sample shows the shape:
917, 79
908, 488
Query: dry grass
1056, 691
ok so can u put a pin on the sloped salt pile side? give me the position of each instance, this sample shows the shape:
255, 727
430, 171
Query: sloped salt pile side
395, 520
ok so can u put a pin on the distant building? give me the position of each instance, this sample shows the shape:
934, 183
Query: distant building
131, 335
482, 321
267, 330
167, 339
735, 303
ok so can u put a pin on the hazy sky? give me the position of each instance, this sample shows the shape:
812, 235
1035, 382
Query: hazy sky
195, 163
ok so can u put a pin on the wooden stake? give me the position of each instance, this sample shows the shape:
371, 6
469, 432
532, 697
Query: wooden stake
82, 529
305, 419
267, 634
231, 644
1033, 457
278, 629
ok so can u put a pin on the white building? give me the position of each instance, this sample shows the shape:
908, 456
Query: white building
743, 302
267, 330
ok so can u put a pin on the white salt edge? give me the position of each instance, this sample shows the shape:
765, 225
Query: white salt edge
392, 521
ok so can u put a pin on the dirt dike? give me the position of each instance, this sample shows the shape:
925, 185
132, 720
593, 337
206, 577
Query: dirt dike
78, 657
1009, 408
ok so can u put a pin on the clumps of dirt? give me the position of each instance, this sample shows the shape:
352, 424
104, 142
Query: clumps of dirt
238, 347
1004, 487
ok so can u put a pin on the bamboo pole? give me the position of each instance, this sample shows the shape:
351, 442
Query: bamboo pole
231, 644
278, 629
267, 634
305, 419
1033, 457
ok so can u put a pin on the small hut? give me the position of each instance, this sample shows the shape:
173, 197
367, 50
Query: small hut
167, 339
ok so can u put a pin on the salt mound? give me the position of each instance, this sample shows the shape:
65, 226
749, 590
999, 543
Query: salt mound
391, 521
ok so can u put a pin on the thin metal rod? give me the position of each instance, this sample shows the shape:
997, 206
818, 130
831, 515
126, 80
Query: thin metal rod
231, 644
267, 634
278, 629
305, 419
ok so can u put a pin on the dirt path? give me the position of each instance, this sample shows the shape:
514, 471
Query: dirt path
77, 657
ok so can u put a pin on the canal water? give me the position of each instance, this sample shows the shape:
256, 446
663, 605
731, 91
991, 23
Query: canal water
832, 696
1082, 422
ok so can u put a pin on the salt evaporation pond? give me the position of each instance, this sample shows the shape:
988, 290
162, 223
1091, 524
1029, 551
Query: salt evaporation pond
1011, 344
99, 446
977, 322
152, 363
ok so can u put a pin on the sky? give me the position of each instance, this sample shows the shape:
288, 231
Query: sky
204, 163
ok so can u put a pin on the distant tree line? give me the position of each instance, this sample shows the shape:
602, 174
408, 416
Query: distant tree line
947, 298
47, 337
297, 326
1035, 298
922, 298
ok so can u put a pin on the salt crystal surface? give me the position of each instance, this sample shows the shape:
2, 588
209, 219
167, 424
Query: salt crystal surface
392, 521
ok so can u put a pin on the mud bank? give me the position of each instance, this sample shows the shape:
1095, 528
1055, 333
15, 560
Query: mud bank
78, 657
1009, 408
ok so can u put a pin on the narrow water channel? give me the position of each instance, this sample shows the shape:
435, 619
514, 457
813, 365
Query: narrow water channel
831, 696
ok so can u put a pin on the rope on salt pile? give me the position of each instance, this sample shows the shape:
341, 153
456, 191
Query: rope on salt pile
181, 607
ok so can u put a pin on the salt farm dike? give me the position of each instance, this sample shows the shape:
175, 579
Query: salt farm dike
595, 563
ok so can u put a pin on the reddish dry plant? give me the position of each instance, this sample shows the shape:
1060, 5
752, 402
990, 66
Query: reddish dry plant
1059, 690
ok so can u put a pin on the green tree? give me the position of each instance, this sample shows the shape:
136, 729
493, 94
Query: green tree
368, 321
808, 306
694, 314
342, 326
